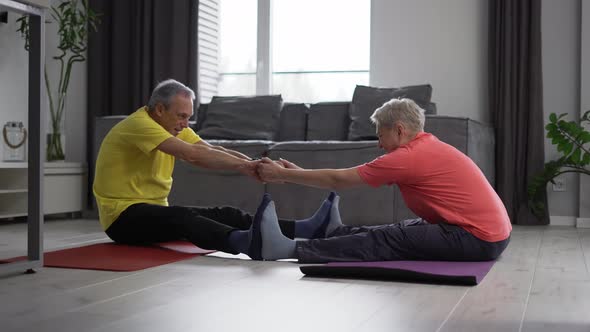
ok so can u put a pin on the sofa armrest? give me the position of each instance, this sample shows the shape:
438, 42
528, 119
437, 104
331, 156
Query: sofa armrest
471, 137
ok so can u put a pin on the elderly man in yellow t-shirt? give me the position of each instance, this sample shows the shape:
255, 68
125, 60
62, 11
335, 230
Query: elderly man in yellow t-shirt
134, 176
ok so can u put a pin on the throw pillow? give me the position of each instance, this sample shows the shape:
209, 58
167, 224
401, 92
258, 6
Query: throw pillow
328, 121
255, 117
367, 99
293, 123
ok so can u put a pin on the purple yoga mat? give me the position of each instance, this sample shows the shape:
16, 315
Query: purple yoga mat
468, 273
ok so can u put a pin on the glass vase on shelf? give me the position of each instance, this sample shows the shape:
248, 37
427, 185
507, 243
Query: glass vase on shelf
56, 135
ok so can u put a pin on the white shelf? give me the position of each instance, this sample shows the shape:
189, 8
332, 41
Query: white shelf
9, 164
64, 188
54, 164
13, 191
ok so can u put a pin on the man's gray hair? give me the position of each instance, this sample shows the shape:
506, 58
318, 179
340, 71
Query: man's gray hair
164, 91
404, 110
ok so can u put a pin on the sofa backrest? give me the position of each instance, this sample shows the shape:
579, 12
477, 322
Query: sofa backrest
324, 121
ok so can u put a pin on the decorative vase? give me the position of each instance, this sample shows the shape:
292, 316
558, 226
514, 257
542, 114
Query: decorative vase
56, 136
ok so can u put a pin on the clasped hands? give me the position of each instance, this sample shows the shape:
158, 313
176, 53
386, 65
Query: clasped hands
268, 170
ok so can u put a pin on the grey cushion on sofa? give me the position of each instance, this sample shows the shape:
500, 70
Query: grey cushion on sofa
200, 117
254, 117
293, 123
366, 100
328, 121
358, 206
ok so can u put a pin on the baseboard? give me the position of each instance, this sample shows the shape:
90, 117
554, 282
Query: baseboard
583, 222
562, 221
90, 214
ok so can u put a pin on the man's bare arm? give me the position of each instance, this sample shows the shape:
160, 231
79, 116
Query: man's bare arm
320, 178
205, 156
226, 150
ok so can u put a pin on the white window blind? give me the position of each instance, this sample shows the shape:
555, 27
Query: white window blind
208, 35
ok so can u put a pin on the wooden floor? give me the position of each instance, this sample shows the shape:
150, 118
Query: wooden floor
541, 283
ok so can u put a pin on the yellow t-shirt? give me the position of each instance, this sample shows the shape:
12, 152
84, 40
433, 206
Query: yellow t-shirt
129, 168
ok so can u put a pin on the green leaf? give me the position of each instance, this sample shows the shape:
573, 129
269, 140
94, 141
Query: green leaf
576, 156
552, 117
568, 148
586, 159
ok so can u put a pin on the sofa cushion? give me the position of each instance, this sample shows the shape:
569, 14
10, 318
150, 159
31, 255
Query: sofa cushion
366, 100
430, 109
328, 121
293, 123
254, 117
200, 117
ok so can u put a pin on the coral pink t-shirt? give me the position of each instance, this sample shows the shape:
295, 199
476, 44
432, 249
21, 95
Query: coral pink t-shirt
441, 184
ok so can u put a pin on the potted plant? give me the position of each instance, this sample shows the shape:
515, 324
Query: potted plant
571, 139
74, 19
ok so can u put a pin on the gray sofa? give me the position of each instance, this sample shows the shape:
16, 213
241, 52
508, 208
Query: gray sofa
314, 136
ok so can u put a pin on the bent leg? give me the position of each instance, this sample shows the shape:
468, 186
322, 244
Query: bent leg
399, 242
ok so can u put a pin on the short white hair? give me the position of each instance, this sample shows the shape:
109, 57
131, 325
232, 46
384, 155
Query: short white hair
403, 110
166, 90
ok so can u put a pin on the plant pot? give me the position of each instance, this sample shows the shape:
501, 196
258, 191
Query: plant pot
56, 147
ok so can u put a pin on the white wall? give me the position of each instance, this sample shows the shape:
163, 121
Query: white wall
443, 43
14, 85
14, 79
561, 89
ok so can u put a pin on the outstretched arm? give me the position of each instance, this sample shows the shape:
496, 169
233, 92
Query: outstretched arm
204, 155
226, 150
334, 179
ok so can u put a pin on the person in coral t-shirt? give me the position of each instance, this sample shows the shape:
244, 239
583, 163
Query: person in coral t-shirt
461, 216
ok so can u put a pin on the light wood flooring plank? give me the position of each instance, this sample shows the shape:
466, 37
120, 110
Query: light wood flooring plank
498, 302
560, 293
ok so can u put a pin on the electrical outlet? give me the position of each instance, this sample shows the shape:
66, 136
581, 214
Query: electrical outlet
559, 184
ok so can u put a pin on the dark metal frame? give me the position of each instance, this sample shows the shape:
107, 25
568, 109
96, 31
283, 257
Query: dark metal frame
37, 113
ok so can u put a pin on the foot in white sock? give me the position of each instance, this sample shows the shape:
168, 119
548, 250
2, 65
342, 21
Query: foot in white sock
334, 220
274, 244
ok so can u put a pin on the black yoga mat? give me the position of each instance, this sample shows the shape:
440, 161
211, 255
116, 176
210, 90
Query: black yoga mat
463, 273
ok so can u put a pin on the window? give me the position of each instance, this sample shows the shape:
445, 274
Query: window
318, 50
237, 47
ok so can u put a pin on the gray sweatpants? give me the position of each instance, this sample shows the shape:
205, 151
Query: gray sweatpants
413, 239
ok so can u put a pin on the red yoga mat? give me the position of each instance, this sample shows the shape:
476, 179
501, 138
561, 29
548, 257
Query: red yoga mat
119, 257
